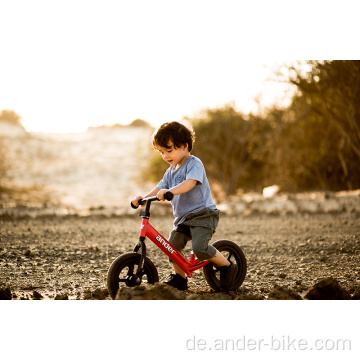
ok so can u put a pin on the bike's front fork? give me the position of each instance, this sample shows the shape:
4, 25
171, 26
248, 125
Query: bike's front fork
141, 246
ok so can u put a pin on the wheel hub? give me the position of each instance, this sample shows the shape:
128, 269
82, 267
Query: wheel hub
133, 280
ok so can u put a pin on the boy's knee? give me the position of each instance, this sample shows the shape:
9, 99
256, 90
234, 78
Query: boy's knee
203, 251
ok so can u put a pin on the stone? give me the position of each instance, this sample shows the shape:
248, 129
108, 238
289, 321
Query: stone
158, 291
5, 294
87, 295
248, 297
327, 289
28, 253
61, 297
100, 294
218, 296
36, 295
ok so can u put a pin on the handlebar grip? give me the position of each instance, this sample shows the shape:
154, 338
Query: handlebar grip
142, 202
168, 196
133, 206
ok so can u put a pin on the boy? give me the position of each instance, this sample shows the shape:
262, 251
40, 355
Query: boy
196, 216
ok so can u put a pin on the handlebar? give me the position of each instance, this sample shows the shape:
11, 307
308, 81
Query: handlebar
168, 196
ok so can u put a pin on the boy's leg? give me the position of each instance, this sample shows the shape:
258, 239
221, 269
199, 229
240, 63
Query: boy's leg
220, 260
178, 270
178, 238
203, 250
227, 270
201, 237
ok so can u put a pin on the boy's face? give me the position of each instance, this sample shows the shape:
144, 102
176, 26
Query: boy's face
174, 156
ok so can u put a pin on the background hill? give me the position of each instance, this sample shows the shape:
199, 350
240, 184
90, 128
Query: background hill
98, 168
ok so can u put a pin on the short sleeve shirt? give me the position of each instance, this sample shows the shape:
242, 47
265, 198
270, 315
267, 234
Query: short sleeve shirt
194, 200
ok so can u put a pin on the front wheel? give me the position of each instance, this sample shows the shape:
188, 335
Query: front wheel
233, 253
123, 271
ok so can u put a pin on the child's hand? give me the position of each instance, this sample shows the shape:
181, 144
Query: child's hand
135, 201
161, 193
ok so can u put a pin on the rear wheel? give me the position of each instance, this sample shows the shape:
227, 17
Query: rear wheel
122, 272
233, 253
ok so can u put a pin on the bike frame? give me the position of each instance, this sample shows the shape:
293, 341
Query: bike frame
148, 231
189, 266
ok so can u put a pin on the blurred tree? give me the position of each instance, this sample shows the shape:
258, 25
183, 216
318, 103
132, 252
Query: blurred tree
140, 123
330, 93
302, 155
314, 143
232, 148
10, 117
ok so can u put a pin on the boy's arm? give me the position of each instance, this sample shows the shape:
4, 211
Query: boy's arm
153, 192
182, 188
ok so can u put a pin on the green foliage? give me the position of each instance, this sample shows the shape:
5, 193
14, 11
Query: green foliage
231, 148
314, 143
327, 110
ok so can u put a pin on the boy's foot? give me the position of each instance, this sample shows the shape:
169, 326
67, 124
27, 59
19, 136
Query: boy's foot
227, 276
178, 282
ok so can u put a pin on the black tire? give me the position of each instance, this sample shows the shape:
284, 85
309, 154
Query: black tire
232, 252
126, 265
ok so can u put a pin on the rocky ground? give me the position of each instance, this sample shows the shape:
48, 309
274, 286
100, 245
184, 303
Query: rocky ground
67, 257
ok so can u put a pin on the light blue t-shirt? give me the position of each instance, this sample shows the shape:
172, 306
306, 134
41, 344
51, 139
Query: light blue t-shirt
194, 200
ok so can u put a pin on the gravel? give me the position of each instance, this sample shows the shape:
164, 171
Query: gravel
67, 257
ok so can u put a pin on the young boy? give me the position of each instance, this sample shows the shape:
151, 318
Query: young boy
196, 216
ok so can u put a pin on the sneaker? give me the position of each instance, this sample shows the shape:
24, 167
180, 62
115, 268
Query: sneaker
178, 282
227, 275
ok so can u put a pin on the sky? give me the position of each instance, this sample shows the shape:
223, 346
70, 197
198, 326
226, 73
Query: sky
67, 65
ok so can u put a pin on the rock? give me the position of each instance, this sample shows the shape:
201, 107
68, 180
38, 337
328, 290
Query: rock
356, 296
218, 296
327, 289
27, 253
61, 297
37, 295
5, 294
281, 293
161, 291
158, 291
100, 294
87, 295
248, 297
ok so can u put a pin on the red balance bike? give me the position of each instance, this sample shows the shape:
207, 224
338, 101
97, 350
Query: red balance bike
133, 268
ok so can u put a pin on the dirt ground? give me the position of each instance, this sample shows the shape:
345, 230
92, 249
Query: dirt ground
68, 257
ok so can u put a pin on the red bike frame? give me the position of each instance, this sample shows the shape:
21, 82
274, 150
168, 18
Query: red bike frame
188, 266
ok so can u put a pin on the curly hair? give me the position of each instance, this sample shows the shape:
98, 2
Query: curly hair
175, 132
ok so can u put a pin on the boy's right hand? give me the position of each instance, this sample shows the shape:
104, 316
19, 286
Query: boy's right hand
135, 201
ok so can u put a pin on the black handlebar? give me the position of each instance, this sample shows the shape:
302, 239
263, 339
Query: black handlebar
167, 196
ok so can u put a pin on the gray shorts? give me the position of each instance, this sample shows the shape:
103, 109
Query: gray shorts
198, 227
